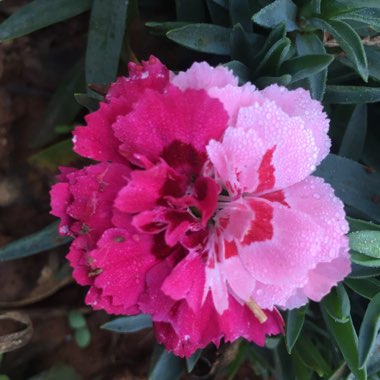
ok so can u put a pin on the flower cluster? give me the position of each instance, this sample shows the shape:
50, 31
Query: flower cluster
202, 210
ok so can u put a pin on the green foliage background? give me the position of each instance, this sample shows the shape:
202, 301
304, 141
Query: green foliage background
331, 48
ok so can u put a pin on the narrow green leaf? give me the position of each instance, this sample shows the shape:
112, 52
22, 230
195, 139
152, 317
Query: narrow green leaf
240, 70
348, 40
91, 103
82, 337
190, 10
294, 324
280, 11
362, 3
360, 225
337, 304
301, 370
366, 242
311, 356
368, 330
54, 156
274, 57
76, 319
358, 193
129, 324
40, 241
363, 260
311, 44
354, 137
365, 287
38, 14
193, 360
358, 271
240, 13
263, 82
345, 336
219, 13
161, 28
306, 65
205, 38
62, 108
57, 372
373, 56
168, 367
245, 46
105, 38
368, 16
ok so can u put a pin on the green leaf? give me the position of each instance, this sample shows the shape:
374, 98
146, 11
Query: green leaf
359, 225
168, 367
161, 28
311, 357
368, 16
105, 38
274, 57
205, 38
294, 324
263, 82
345, 336
301, 370
337, 304
368, 330
244, 46
219, 13
306, 65
364, 260
348, 40
38, 14
129, 324
76, 319
58, 372
358, 271
62, 108
82, 337
54, 156
193, 360
366, 242
190, 10
240, 70
354, 137
85, 100
365, 287
40, 241
240, 13
373, 56
280, 11
358, 193
362, 3
311, 44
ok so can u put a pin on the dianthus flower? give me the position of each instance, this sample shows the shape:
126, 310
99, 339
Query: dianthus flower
202, 210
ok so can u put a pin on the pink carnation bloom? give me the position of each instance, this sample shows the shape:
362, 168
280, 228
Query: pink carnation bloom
202, 210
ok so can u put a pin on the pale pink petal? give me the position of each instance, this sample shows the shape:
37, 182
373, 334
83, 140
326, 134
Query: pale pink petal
234, 98
237, 159
203, 76
299, 103
290, 149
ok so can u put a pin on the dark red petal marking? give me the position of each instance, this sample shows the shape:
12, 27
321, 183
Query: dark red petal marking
261, 228
230, 249
266, 172
276, 196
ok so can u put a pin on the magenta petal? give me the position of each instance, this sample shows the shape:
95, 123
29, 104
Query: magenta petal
122, 259
160, 119
187, 281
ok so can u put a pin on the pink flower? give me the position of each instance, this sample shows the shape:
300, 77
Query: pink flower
201, 210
